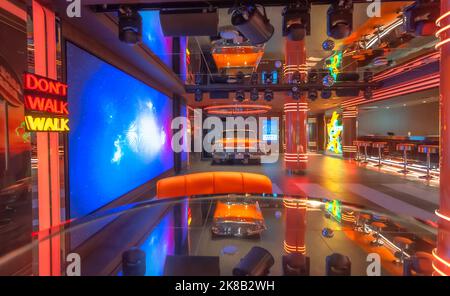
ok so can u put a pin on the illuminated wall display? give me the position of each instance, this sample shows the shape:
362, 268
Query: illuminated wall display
46, 107
333, 64
334, 130
334, 207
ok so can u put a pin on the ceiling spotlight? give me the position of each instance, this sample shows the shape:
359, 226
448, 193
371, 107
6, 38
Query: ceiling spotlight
198, 78
312, 95
313, 76
420, 17
253, 24
328, 80
130, 25
368, 93
240, 77
295, 79
295, 93
198, 95
240, 96
268, 95
254, 94
296, 21
340, 19
266, 77
254, 78
326, 94
328, 45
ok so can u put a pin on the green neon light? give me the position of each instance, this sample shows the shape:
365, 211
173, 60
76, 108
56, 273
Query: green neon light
334, 207
335, 64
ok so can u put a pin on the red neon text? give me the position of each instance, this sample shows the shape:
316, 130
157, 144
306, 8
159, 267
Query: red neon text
44, 85
46, 105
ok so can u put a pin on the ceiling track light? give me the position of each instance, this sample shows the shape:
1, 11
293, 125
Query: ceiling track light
296, 93
254, 78
240, 96
130, 25
340, 19
254, 94
313, 76
326, 94
312, 95
297, 20
198, 95
295, 79
254, 25
268, 95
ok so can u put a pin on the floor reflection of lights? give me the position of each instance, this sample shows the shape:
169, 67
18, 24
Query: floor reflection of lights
393, 167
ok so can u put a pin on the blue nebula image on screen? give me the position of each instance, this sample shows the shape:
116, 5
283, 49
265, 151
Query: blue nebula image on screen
153, 36
158, 245
120, 132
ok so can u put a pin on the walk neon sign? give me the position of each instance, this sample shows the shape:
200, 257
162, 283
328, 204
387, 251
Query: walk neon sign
46, 107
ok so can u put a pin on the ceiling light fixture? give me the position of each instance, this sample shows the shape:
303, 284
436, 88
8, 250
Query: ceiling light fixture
296, 20
253, 24
340, 19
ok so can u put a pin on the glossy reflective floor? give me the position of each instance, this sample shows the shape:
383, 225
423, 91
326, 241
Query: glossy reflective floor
346, 180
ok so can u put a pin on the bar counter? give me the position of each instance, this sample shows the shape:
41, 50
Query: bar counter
392, 141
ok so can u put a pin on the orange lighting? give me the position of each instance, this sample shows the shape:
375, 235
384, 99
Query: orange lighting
237, 56
294, 249
442, 216
237, 109
444, 40
442, 261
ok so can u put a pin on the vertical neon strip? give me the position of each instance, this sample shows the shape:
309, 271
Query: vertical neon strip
442, 254
47, 145
53, 148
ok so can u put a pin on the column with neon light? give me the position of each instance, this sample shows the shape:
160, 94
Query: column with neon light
441, 263
295, 157
349, 132
295, 230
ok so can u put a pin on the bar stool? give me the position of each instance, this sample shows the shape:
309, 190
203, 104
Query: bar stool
358, 146
380, 146
428, 149
405, 147
365, 144
403, 243
379, 226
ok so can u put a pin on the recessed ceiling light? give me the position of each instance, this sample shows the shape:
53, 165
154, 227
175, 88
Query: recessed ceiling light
404, 105
388, 107
424, 102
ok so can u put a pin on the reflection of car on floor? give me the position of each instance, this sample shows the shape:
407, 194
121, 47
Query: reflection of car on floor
243, 147
238, 218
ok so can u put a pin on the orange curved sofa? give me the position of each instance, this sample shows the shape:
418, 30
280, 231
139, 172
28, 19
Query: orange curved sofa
213, 183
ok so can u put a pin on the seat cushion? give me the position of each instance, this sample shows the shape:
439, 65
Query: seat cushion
213, 183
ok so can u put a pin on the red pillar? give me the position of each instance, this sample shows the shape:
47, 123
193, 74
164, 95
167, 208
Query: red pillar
47, 144
442, 254
295, 157
349, 132
295, 229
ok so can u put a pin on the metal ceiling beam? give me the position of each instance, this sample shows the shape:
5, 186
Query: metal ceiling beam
210, 3
280, 87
